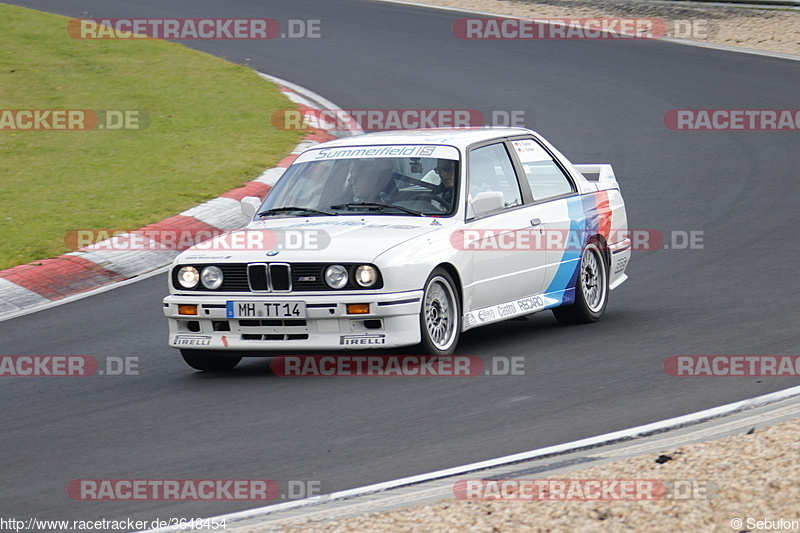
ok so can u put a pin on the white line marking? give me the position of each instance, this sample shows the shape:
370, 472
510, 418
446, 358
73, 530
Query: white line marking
591, 442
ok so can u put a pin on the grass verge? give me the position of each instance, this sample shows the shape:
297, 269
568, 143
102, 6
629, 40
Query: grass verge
209, 130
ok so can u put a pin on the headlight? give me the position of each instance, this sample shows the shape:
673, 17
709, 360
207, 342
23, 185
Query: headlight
336, 276
366, 276
188, 277
211, 277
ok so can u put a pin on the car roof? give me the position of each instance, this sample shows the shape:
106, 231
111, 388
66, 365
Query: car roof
458, 137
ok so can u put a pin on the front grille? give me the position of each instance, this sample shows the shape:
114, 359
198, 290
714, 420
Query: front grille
309, 277
284, 277
281, 276
257, 275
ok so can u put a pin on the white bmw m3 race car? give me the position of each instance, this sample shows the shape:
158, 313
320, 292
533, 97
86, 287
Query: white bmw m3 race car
401, 239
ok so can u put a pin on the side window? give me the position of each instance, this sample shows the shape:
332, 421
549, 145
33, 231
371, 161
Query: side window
490, 170
545, 178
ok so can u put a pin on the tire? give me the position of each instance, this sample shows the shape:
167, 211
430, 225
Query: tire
440, 316
591, 289
209, 361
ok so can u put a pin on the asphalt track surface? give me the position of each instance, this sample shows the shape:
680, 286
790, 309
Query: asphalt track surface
599, 102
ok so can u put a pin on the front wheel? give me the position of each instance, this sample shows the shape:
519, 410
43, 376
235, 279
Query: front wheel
591, 290
440, 317
209, 362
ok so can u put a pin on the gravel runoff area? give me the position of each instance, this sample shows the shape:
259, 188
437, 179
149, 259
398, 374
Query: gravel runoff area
772, 30
753, 477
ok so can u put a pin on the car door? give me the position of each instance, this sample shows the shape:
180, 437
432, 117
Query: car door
561, 214
506, 265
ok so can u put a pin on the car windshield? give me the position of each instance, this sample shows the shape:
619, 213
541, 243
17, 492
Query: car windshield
406, 186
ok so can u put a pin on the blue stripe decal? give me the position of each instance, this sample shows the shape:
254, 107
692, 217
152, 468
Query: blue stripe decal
556, 298
584, 220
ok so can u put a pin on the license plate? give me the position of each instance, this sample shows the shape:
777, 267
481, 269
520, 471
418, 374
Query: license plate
266, 309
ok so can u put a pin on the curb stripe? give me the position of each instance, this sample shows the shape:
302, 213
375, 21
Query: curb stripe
252, 188
221, 213
33, 286
60, 277
288, 160
16, 297
177, 225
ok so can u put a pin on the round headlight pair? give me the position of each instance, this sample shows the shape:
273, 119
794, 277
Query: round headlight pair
211, 277
336, 276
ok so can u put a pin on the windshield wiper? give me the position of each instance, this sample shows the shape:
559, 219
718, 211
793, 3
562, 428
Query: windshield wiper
275, 210
382, 206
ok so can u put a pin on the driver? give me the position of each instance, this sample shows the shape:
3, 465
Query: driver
372, 181
446, 170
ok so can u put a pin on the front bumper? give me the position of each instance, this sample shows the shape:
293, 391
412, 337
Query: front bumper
392, 321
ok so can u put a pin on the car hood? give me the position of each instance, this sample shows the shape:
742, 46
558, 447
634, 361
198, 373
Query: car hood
345, 239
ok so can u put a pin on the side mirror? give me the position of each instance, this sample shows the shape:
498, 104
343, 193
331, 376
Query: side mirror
485, 202
249, 205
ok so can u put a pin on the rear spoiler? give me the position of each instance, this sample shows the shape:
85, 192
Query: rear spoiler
601, 175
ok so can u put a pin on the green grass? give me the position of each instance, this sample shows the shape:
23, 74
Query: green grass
209, 131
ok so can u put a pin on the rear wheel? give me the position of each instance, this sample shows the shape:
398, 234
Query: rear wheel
440, 317
591, 289
208, 361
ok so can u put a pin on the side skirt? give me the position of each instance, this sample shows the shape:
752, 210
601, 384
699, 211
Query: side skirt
520, 307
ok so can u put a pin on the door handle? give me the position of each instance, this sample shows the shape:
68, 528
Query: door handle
536, 222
